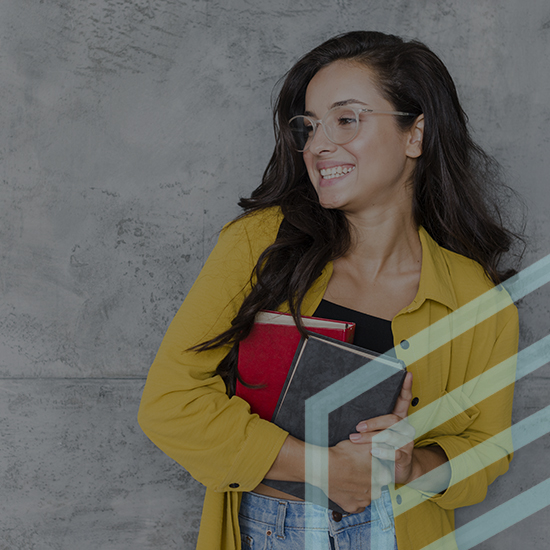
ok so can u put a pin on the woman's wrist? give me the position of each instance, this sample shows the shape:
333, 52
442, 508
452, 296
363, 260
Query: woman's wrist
289, 464
425, 460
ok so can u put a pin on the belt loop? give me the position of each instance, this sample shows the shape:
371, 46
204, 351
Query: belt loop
281, 516
385, 519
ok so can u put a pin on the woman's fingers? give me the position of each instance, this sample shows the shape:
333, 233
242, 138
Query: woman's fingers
399, 411
385, 452
378, 423
386, 429
394, 438
405, 396
391, 438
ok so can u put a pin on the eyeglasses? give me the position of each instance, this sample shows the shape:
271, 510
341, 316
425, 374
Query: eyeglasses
340, 125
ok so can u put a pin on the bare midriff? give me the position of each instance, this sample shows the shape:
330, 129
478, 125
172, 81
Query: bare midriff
262, 489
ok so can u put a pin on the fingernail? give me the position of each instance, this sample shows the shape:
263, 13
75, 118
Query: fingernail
376, 452
355, 437
361, 427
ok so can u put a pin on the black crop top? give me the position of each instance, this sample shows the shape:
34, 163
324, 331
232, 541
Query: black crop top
371, 332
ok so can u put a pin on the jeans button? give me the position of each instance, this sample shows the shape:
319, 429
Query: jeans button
336, 516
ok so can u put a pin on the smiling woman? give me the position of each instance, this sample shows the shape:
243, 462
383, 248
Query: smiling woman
372, 209
381, 156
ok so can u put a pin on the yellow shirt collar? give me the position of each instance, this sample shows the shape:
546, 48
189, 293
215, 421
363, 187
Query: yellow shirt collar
435, 278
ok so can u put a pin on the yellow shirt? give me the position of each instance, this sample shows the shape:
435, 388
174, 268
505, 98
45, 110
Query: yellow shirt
185, 410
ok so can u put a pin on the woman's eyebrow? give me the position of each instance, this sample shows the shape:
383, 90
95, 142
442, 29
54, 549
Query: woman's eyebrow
338, 104
347, 102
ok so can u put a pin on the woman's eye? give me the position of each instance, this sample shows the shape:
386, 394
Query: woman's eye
346, 121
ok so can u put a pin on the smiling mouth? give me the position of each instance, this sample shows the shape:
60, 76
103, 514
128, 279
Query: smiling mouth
336, 172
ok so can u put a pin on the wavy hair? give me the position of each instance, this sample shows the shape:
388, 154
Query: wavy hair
455, 183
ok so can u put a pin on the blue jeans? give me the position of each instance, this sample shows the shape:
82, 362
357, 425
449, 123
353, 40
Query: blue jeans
272, 524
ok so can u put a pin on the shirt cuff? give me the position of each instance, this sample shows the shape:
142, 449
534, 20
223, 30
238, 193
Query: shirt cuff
255, 458
468, 483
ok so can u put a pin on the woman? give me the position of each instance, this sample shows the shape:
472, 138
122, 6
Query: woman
372, 207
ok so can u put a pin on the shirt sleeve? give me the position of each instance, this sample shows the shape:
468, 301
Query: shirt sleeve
184, 409
483, 450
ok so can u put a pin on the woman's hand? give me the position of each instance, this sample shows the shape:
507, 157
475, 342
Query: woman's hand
360, 467
351, 471
390, 437
355, 476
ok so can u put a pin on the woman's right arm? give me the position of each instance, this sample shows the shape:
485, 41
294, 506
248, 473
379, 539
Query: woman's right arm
355, 476
184, 409
350, 472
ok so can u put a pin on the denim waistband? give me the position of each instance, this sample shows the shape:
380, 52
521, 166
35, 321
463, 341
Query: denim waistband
291, 514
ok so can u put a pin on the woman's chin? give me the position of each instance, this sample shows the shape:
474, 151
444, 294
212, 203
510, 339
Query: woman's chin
331, 193
329, 206
329, 201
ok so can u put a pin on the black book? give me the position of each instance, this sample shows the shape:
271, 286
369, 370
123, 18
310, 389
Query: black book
319, 362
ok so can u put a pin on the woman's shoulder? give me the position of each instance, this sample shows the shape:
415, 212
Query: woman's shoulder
265, 220
463, 277
467, 272
256, 230
271, 215
471, 281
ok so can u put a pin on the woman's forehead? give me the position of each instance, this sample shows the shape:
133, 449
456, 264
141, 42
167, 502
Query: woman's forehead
341, 82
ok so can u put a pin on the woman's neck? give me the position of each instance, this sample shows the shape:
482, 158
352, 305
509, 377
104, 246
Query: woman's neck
380, 274
384, 243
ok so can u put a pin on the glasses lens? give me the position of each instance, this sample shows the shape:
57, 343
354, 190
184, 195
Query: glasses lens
302, 130
341, 123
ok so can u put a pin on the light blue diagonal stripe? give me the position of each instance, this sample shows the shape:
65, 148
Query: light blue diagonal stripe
318, 407
529, 429
459, 321
522, 433
498, 519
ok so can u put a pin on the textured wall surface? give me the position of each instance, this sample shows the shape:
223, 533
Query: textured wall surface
128, 131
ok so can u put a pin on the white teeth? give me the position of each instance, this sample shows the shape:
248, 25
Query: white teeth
336, 171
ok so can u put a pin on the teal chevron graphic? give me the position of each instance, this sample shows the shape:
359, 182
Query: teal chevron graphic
319, 406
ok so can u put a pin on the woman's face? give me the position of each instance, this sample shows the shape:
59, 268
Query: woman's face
378, 162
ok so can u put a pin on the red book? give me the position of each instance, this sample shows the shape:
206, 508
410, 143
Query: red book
266, 355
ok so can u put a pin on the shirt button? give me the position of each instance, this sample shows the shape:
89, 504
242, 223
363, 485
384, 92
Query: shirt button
404, 344
398, 499
234, 485
415, 401
336, 516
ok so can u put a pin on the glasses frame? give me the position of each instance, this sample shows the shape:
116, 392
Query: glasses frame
356, 110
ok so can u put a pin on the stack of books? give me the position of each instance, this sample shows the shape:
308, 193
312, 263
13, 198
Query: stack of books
282, 370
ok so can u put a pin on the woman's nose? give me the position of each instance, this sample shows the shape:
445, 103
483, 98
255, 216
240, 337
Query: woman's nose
320, 141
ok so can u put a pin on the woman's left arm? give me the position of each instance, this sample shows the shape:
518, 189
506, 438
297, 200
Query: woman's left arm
483, 451
462, 464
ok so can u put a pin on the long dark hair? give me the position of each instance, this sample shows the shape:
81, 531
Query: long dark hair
454, 182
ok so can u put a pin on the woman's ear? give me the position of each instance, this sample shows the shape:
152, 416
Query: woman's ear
416, 135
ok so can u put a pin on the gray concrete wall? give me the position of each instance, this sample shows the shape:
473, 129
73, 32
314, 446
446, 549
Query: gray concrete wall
128, 131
